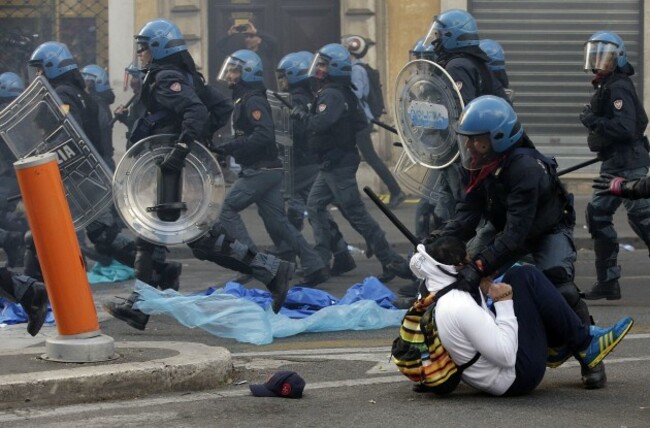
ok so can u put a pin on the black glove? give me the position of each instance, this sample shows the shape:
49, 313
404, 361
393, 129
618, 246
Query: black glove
607, 184
433, 236
175, 159
227, 148
588, 117
299, 113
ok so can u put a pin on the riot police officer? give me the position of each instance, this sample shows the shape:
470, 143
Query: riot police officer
497, 60
99, 88
517, 189
54, 61
455, 39
293, 76
12, 225
129, 114
616, 121
29, 292
332, 122
169, 93
253, 147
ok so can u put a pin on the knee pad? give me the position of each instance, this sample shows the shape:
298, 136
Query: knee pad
640, 224
595, 225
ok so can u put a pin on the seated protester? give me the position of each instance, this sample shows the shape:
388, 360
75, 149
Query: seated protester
530, 316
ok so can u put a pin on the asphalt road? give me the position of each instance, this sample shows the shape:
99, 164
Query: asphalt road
350, 381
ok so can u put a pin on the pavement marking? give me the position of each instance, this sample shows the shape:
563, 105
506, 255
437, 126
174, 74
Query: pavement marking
92, 408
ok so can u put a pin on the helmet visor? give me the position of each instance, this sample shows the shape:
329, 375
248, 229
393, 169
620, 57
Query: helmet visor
600, 56
319, 67
231, 71
142, 56
475, 150
282, 79
434, 36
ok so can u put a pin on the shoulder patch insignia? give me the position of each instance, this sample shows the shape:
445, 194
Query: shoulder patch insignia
459, 85
322, 107
256, 114
176, 87
618, 104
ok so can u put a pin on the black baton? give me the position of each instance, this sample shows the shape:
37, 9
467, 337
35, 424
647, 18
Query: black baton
388, 213
127, 105
385, 126
578, 166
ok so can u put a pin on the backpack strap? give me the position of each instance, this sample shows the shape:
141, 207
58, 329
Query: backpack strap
469, 363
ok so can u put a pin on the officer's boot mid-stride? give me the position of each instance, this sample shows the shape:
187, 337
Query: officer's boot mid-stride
124, 311
279, 286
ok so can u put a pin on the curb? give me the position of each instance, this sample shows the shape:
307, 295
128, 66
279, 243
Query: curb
194, 367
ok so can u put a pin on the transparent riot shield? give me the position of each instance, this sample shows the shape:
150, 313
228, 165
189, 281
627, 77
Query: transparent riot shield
417, 178
282, 122
135, 189
35, 123
427, 105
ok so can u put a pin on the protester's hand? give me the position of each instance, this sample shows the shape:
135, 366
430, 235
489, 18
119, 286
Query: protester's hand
433, 236
500, 291
587, 116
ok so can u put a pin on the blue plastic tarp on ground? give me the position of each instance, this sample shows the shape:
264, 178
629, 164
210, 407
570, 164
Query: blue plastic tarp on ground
13, 313
115, 272
245, 315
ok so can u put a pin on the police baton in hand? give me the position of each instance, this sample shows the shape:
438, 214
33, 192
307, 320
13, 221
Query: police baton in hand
127, 105
384, 125
282, 100
388, 213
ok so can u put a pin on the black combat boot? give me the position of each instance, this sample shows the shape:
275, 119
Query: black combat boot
30, 293
124, 311
279, 286
343, 262
609, 290
594, 378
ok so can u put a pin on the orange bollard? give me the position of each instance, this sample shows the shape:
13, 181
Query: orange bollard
57, 247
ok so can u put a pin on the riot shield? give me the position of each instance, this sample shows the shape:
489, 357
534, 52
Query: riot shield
282, 123
35, 123
135, 191
427, 105
417, 178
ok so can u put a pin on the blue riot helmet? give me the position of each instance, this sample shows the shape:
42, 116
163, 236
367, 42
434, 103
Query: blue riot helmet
243, 66
422, 51
52, 59
487, 126
97, 76
293, 69
333, 61
159, 38
453, 29
604, 51
495, 53
11, 85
